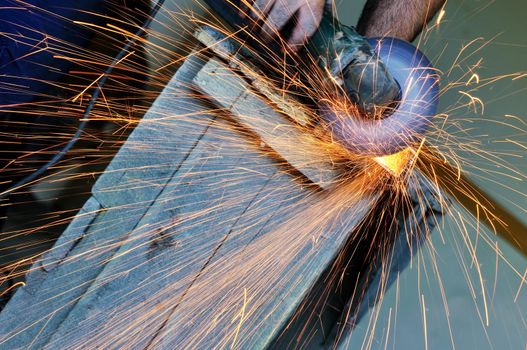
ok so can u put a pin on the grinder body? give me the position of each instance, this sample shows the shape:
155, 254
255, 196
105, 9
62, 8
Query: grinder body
368, 72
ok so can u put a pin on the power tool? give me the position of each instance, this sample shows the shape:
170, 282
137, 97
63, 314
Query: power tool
386, 74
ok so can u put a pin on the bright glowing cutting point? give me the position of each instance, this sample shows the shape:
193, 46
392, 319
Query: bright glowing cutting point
396, 163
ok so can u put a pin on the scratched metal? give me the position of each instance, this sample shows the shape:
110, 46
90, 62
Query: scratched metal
116, 262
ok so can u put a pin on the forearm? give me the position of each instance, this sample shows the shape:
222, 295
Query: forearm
403, 19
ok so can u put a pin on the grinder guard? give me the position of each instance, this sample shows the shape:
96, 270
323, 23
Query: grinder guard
410, 119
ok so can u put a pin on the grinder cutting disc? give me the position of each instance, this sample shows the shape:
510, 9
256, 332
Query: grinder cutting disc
419, 84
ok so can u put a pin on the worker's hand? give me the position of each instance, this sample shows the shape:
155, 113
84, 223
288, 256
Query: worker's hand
275, 14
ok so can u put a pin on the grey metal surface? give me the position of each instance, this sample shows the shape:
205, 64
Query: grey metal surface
192, 212
121, 197
121, 259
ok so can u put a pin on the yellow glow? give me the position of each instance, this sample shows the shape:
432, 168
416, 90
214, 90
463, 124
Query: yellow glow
396, 163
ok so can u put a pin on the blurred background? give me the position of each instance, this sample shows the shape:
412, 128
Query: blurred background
443, 282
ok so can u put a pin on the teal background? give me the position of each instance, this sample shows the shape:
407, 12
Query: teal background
448, 255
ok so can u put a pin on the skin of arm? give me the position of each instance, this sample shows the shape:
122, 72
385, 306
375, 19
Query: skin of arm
403, 19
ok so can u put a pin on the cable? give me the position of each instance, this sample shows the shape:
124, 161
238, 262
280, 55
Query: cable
85, 118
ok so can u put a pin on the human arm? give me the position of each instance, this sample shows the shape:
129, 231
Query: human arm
403, 19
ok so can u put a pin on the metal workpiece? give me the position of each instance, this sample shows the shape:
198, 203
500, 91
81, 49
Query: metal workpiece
138, 246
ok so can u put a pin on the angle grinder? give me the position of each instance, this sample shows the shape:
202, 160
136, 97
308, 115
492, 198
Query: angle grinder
371, 72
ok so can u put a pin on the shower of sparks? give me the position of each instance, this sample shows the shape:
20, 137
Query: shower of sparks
235, 277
